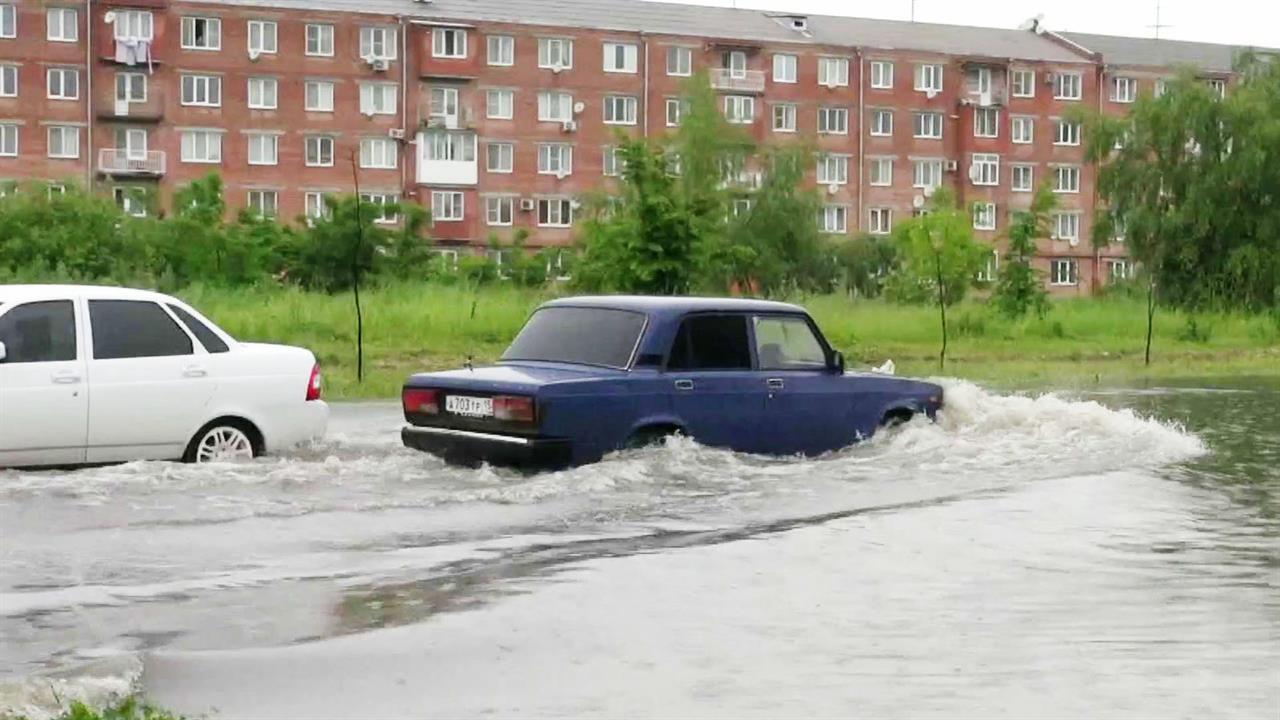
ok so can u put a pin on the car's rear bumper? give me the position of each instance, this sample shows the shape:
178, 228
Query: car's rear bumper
464, 447
298, 423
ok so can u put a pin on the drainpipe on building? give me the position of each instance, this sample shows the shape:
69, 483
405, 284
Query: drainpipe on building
1100, 85
862, 131
88, 94
644, 98
404, 106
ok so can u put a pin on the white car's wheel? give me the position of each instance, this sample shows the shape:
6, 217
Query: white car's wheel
221, 443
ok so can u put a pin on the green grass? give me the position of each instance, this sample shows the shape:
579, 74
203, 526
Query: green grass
412, 328
130, 708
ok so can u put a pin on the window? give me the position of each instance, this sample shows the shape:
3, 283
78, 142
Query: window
929, 78
266, 203
63, 84
444, 105
985, 169
739, 109
675, 112
378, 99
679, 61
986, 122
1023, 130
1066, 133
499, 157
39, 332
881, 74
1024, 83
735, 61
928, 125
264, 149
499, 211
555, 106
990, 269
447, 146
64, 141
784, 68
880, 221
555, 53
207, 337
982, 80
203, 90
620, 110
1066, 179
788, 343
501, 50
926, 174
262, 37
1120, 270
133, 329
833, 72
379, 153
8, 21
8, 140
8, 81
319, 96
446, 206
711, 342
555, 212
378, 43
784, 117
131, 87
319, 150
591, 336
315, 206
984, 216
1124, 89
1067, 86
611, 161
620, 57
200, 33
555, 159
386, 204
1063, 272
201, 146
741, 206
1023, 178
834, 219
131, 200
833, 121
833, 169
882, 123
262, 93
320, 40
1066, 226
62, 25
1217, 87
1162, 86
448, 43
881, 172
500, 104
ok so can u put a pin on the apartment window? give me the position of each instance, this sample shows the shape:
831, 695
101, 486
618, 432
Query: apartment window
929, 78
880, 221
202, 90
1067, 86
8, 81
881, 172
63, 83
1023, 129
675, 111
448, 43
985, 169
378, 43
990, 269
986, 122
835, 219
379, 153
131, 87
201, 146
784, 117
620, 110
386, 206
926, 174
555, 212
500, 157
882, 123
833, 169
264, 149
620, 57
131, 200
784, 68
833, 72
1120, 269
319, 96
319, 150
501, 50
982, 80
740, 109
881, 74
735, 61
320, 40
1023, 179
64, 141
1124, 89
499, 211
611, 162
555, 106
1066, 179
1162, 86
1063, 271
441, 146
679, 61
8, 21
984, 216
833, 121
500, 104
555, 159
446, 206
444, 105
201, 33
378, 98
8, 140
262, 93
928, 125
62, 25
741, 206
262, 37
266, 203
555, 53
1066, 226
1024, 83
316, 206
1066, 133
1218, 87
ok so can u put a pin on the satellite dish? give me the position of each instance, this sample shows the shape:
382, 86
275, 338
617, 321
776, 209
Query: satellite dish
1032, 24
579, 106
917, 201
109, 17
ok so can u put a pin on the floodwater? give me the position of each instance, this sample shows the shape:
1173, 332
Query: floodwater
1109, 553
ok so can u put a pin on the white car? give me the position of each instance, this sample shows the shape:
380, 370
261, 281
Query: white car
103, 375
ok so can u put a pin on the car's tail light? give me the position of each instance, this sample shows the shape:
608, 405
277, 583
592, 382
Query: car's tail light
315, 384
513, 408
421, 402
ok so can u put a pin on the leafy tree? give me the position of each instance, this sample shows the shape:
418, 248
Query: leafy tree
346, 243
1019, 288
864, 263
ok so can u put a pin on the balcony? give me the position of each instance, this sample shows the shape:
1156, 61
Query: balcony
748, 81
151, 110
119, 161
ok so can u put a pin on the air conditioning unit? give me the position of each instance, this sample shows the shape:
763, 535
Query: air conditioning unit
527, 204
951, 165
396, 133
379, 64
569, 126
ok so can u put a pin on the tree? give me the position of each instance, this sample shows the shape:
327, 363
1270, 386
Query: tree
347, 242
1019, 288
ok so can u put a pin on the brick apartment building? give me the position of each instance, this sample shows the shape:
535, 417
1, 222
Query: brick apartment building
497, 114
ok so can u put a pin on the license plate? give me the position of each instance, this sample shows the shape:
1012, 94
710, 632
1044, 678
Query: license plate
469, 406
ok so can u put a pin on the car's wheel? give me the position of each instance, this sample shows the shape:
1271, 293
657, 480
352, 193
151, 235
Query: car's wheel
650, 436
894, 418
222, 441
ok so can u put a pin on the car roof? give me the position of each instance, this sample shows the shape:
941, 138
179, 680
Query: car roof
671, 305
17, 293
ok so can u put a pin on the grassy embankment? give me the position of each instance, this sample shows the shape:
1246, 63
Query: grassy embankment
411, 328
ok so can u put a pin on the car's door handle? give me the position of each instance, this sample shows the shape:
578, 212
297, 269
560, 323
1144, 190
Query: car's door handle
194, 371
775, 383
684, 384
65, 378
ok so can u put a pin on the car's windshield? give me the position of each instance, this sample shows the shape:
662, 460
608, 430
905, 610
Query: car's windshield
584, 336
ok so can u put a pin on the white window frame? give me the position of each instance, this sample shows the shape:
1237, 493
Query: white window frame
555, 53
834, 220
378, 42
133, 25
319, 40
833, 169
256, 200
1064, 90
877, 114
502, 161
629, 106
1124, 89
500, 103
190, 142
984, 169
444, 37
984, 216
1064, 272
833, 120
561, 205
611, 162
267, 41
1217, 86
880, 174
379, 153
879, 220
382, 201
499, 210
67, 150
263, 93
1072, 233
982, 79
788, 117
990, 271
1023, 83
448, 206
928, 77
8, 80
555, 106
8, 20
322, 90
1066, 179
922, 130
61, 25
740, 109
500, 50
674, 112
203, 88
837, 65
679, 61
1022, 129
628, 53
374, 98
266, 146
923, 167
881, 74
62, 74
1066, 133
129, 82
314, 205
131, 200
212, 33
1017, 169
9, 145
314, 146
986, 122
786, 67
448, 146
555, 159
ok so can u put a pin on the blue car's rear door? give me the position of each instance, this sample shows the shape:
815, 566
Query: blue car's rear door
714, 390
808, 407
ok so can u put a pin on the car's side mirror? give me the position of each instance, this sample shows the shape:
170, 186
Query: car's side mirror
837, 362
4, 352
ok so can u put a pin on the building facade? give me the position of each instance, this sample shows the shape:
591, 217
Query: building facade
499, 114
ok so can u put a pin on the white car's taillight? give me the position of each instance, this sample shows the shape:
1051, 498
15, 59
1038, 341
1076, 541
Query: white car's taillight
314, 385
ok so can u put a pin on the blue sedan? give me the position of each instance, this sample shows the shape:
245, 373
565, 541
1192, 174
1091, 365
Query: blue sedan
590, 375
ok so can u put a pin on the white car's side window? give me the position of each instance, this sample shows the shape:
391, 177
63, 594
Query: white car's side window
42, 331
207, 337
134, 329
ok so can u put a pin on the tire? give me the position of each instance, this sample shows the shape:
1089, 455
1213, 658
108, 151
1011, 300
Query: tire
225, 440
649, 437
894, 418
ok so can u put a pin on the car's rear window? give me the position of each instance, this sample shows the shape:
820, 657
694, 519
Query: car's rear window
584, 336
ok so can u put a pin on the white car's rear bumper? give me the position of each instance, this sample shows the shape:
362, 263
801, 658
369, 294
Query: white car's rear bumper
300, 423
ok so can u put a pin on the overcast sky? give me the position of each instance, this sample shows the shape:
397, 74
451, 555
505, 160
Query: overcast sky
1242, 22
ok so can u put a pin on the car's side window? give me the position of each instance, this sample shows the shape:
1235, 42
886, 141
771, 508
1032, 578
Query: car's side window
711, 342
787, 343
39, 332
208, 338
134, 329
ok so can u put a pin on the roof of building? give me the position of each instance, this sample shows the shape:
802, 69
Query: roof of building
1118, 50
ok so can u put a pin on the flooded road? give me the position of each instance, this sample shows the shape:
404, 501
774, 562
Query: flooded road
1108, 553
